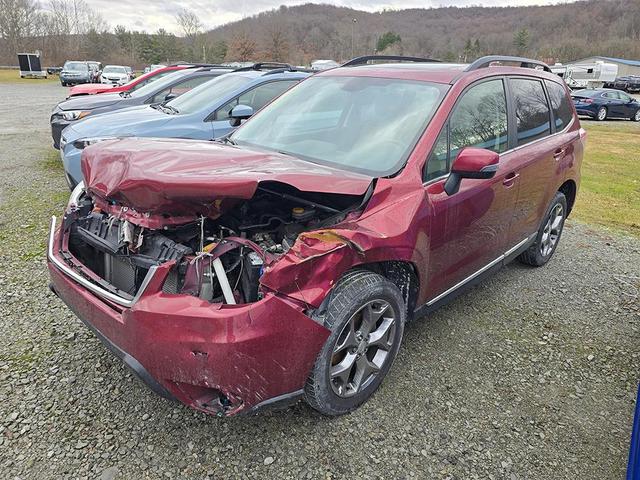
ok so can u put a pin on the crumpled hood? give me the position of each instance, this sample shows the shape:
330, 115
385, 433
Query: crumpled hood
155, 182
126, 122
90, 102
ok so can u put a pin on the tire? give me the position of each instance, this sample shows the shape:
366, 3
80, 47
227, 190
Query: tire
602, 114
548, 236
350, 386
636, 117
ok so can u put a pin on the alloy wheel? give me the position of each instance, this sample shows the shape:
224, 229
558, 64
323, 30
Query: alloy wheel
362, 348
637, 115
602, 113
552, 230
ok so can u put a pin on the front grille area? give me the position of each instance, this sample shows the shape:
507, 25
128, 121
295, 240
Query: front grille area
99, 243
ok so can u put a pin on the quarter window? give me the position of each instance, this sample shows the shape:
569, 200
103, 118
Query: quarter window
478, 120
560, 104
532, 110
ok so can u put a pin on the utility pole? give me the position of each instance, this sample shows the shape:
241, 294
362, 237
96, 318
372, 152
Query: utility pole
353, 33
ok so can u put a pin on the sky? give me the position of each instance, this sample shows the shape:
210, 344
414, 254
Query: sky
151, 15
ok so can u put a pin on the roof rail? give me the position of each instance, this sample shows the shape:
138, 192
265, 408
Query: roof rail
395, 58
290, 69
486, 61
264, 65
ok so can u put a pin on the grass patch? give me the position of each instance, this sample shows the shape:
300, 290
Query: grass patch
610, 187
52, 162
13, 76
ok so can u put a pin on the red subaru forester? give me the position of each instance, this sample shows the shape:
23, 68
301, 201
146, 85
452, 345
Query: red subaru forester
282, 262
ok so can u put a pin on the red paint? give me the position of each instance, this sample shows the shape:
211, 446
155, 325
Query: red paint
257, 351
95, 88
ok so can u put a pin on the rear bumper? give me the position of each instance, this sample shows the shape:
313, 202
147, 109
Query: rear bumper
220, 359
586, 111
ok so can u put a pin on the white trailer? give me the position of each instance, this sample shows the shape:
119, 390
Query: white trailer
30, 66
586, 75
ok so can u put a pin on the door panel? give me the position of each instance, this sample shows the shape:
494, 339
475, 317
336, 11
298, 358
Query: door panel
535, 157
468, 229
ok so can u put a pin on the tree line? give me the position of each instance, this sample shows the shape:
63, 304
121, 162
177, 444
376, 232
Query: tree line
69, 29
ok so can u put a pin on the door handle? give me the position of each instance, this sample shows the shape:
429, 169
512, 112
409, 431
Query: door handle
510, 179
559, 153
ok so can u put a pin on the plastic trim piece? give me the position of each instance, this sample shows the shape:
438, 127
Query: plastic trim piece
101, 292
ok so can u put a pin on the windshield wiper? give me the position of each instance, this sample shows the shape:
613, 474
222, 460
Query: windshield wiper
164, 108
225, 139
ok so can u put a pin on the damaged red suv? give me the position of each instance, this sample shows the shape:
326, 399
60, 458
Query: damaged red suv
284, 261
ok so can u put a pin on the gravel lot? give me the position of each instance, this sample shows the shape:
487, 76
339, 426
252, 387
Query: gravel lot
531, 375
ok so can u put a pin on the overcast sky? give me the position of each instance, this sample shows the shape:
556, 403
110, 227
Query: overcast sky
154, 14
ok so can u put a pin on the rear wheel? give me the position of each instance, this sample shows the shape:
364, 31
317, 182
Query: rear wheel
549, 233
366, 316
602, 114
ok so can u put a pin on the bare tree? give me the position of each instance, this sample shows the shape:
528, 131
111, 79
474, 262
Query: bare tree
18, 20
189, 23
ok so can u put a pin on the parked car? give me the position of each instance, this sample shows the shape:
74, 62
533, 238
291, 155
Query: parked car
628, 83
151, 68
283, 261
141, 81
115, 74
54, 70
203, 113
604, 103
97, 68
74, 72
74, 109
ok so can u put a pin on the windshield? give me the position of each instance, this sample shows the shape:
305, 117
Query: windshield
114, 70
363, 124
158, 85
201, 96
75, 66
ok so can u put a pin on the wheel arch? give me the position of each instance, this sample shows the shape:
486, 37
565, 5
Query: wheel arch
569, 189
401, 273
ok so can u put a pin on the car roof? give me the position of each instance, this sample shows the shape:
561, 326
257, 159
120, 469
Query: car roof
440, 72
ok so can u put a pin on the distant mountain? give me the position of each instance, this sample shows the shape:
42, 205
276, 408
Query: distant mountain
562, 32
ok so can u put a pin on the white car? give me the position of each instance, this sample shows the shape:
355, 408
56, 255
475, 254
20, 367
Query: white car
115, 74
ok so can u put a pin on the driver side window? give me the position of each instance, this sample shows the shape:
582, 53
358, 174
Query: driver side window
479, 120
255, 98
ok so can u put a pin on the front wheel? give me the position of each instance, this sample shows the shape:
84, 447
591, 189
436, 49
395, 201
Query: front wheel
549, 233
366, 316
636, 116
602, 114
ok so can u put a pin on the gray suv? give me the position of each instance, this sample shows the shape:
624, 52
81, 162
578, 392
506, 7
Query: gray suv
75, 72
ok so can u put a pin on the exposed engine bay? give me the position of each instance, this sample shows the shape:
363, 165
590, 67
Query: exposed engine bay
219, 259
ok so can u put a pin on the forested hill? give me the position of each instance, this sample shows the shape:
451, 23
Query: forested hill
555, 33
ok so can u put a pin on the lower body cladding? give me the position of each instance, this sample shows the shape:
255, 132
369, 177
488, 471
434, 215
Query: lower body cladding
219, 358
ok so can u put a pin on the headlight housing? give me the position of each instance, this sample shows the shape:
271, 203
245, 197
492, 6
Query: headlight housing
83, 143
77, 192
75, 114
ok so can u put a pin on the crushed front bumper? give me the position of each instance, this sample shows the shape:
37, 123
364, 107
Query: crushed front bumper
220, 359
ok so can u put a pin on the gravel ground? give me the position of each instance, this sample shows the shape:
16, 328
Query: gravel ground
531, 375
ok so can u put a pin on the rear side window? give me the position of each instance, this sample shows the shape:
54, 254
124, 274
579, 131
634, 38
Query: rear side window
560, 104
532, 110
479, 119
